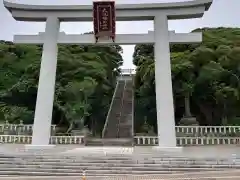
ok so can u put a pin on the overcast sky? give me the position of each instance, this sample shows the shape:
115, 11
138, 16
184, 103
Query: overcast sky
222, 13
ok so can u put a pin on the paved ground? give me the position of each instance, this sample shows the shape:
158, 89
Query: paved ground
224, 175
193, 151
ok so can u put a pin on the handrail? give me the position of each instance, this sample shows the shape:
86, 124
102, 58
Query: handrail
133, 108
123, 95
109, 111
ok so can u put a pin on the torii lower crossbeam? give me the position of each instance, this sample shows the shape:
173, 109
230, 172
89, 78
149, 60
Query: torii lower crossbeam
122, 39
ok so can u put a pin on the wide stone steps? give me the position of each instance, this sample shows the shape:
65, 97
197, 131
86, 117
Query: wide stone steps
94, 172
228, 175
108, 162
111, 158
106, 168
147, 167
91, 171
60, 174
120, 162
123, 161
123, 164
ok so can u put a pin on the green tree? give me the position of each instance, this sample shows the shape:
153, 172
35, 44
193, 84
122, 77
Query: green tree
86, 77
205, 79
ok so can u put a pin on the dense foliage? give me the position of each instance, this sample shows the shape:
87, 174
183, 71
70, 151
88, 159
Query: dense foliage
206, 80
86, 77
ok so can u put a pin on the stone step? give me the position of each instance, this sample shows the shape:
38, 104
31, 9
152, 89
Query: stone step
99, 171
103, 157
132, 164
150, 160
153, 161
160, 165
106, 159
99, 154
88, 174
109, 156
182, 176
121, 162
117, 161
130, 160
142, 167
136, 161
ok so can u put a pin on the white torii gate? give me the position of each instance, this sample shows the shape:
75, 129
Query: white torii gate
160, 13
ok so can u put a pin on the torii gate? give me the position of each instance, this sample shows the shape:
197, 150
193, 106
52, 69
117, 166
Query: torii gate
160, 13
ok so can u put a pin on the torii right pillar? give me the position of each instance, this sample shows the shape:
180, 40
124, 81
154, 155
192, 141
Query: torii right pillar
163, 81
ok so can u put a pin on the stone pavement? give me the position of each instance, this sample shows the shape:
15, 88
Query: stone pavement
191, 151
216, 151
212, 175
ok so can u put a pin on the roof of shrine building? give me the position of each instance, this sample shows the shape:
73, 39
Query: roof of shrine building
124, 12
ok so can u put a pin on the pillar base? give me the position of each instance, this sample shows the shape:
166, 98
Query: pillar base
175, 149
38, 147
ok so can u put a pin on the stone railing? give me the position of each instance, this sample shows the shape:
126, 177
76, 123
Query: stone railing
186, 136
127, 71
19, 129
198, 135
208, 131
139, 140
25, 139
188, 141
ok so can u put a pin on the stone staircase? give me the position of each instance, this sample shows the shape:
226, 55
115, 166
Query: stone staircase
118, 129
125, 126
121, 120
106, 162
110, 130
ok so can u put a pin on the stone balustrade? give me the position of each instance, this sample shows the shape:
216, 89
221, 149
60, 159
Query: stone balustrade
19, 129
25, 139
188, 141
186, 136
127, 71
198, 135
206, 131
139, 140
67, 140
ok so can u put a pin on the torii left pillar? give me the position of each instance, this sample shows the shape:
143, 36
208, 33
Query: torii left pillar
46, 86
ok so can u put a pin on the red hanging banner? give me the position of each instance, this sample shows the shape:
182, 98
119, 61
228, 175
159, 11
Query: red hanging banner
104, 19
